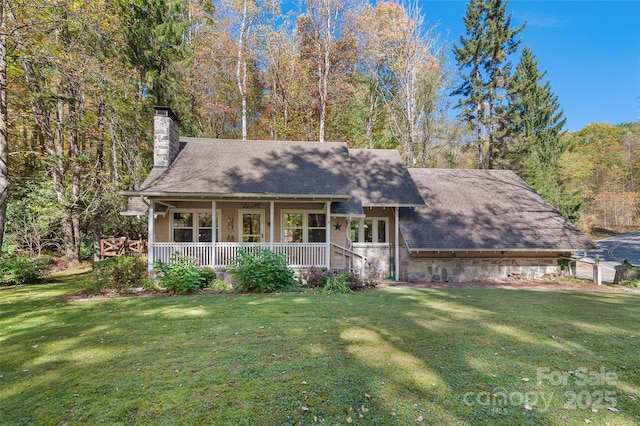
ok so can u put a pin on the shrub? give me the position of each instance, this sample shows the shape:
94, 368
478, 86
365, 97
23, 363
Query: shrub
263, 272
337, 284
220, 286
182, 274
207, 277
119, 274
351, 279
627, 274
316, 277
22, 269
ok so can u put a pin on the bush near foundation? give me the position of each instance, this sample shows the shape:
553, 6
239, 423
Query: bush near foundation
263, 271
182, 274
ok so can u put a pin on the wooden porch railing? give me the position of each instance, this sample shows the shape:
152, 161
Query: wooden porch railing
347, 257
220, 255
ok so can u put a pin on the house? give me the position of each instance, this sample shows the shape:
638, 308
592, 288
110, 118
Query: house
323, 204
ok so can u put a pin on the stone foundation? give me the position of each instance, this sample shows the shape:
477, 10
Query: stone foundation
378, 259
473, 269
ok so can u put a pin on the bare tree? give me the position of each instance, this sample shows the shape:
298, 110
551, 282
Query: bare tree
4, 143
324, 22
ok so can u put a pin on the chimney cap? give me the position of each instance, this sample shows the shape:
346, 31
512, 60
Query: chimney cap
165, 111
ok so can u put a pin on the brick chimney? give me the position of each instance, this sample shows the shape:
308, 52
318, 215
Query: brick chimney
166, 137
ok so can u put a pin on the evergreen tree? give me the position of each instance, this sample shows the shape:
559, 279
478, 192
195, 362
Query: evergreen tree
536, 123
484, 55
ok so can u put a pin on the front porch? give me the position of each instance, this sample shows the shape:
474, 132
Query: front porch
220, 255
298, 255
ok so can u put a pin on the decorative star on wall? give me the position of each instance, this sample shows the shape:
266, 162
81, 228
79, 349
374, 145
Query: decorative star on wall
337, 226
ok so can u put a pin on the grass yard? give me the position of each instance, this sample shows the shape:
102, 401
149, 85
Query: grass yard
381, 357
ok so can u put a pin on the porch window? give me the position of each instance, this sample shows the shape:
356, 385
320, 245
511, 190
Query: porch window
183, 227
293, 228
317, 227
205, 228
193, 226
304, 227
370, 230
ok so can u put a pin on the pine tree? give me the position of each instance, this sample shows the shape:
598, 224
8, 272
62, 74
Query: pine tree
536, 123
484, 54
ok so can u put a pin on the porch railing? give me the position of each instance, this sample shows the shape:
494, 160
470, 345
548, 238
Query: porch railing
220, 255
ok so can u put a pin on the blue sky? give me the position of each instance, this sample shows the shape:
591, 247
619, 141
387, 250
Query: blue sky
590, 50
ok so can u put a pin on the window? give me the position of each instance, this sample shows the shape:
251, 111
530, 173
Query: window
205, 228
304, 227
370, 230
182, 227
317, 227
193, 226
292, 227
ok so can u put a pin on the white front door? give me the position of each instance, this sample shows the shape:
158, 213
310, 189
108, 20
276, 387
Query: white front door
251, 226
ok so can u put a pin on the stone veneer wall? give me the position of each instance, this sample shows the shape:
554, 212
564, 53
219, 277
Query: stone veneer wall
166, 137
379, 258
423, 269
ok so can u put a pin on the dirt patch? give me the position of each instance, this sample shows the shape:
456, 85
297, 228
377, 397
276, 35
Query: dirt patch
528, 284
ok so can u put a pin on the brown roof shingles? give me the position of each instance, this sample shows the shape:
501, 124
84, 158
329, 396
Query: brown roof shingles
223, 167
383, 180
485, 210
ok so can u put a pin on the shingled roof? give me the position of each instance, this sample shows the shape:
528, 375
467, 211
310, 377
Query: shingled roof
254, 168
382, 179
477, 210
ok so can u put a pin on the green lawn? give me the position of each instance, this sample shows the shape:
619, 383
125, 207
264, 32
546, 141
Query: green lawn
386, 356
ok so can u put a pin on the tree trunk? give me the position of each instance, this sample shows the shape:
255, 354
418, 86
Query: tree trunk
323, 71
241, 70
97, 210
4, 143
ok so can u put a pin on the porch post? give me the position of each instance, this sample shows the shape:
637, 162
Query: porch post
272, 212
151, 229
214, 237
328, 238
397, 248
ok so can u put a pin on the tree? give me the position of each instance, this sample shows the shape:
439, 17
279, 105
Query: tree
601, 165
403, 61
535, 129
154, 44
484, 55
320, 28
4, 142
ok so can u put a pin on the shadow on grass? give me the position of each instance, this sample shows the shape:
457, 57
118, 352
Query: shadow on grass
391, 356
